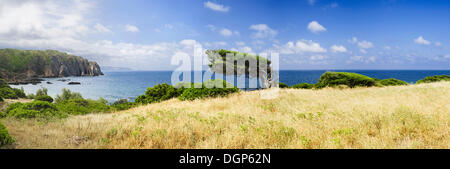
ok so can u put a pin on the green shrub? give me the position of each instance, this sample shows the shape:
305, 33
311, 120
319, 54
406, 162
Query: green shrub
437, 78
211, 88
5, 138
1, 99
122, 104
157, 93
67, 95
391, 82
282, 85
35, 109
8, 93
331, 79
83, 106
3, 83
45, 98
303, 86
40, 92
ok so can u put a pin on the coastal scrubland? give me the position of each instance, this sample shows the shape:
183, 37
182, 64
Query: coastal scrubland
404, 116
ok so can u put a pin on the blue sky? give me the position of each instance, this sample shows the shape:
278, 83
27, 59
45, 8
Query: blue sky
308, 34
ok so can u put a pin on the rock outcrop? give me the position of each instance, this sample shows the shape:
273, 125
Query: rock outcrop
20, 65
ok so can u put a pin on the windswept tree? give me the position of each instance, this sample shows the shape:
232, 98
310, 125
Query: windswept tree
237, 63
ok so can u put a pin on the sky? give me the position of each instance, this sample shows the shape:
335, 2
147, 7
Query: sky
307, 34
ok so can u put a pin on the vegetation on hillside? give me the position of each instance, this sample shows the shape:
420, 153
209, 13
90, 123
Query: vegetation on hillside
391, 82
5, 138
332, 79
359, 118
437, 78
6, 92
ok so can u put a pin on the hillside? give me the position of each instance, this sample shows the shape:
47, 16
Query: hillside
413, 116
18, 65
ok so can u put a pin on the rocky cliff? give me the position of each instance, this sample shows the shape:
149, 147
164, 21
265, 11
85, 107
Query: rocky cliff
18, 65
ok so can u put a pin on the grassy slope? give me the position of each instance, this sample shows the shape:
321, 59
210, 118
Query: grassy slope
415, 116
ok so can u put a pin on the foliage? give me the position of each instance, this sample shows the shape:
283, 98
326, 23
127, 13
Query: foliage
391, 82
303, 86
39, 92
242, 64
437, 78
157, 93
5, 138
210, 88
35, 109
1, 99
123, 104
45, 98
67, 95
332, 79
10, 93
282, 85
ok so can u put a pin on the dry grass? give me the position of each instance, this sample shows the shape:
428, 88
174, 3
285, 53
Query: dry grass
415, 116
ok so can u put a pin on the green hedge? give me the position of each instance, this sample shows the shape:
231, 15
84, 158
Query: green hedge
331, 79
157, 93
45, 98
83, 106
282, 85
5, 138
392, 82
35, 109
303, 86
437, 78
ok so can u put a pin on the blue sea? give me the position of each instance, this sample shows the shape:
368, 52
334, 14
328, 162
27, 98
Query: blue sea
128, 85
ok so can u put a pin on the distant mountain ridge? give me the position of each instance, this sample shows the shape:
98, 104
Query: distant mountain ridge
18, 65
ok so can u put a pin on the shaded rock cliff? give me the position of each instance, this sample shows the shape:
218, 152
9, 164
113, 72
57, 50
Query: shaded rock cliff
18, 65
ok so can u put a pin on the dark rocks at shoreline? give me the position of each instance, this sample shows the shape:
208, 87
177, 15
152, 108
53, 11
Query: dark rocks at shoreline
63, 80
74, 83
33, 81
49, 83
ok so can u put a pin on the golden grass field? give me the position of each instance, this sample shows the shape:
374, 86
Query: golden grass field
414, 116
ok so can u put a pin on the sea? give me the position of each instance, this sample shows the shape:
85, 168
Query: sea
114, 86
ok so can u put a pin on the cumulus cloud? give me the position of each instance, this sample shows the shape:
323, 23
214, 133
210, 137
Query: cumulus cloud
338, 49
263, 31
365, 45
216, 7
131, 28
315, 27
420, 40
300, 47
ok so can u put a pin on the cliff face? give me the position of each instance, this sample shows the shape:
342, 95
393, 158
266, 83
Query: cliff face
17, 65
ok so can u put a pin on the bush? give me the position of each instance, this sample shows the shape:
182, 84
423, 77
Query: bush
45, 98
282, 85
331, 79
8, 93
67, 95
437, 78
1, 99
122, 104
391, 82
35, 109
82, 106
303, 86
209, 88
157, 93
5, 138
40, 92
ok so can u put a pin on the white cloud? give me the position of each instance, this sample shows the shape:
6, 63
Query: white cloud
168, 26
315, 27
263, 31
301, 46
216, 7
246, 49
420, 40
131, 28
438, 43
211, 27
338, 49
102, 29
354, 40
226, 32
